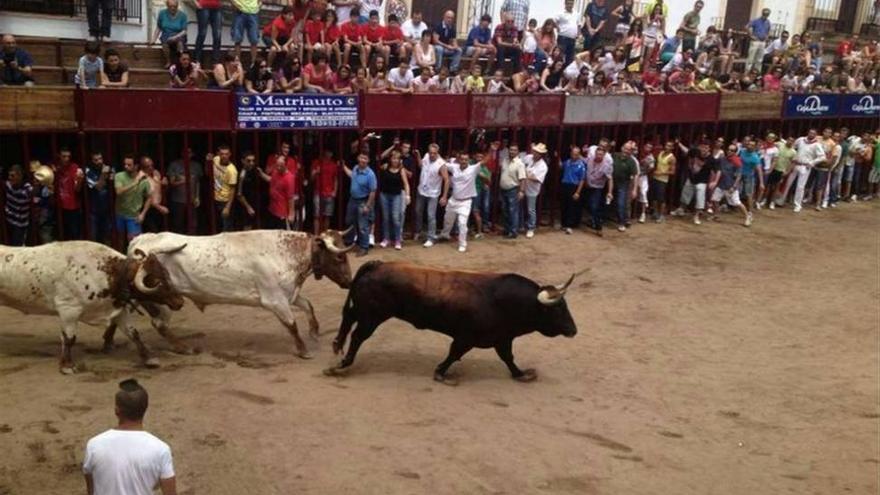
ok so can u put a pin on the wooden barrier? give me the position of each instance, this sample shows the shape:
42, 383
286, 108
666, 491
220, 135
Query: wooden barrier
516, 110
37, 108
602, 109
681, 108
157, 109
750, 106
423, 111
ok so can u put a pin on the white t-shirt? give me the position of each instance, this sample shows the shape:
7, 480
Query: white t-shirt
399, 80
127, 462
412, 31
495, 86
422, 86
536, 172
568, 24
440, 87
530, 42
769, 155
430, 180
464, 182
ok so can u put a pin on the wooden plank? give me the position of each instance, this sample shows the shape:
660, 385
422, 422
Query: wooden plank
750, 106
8, 97
38, 108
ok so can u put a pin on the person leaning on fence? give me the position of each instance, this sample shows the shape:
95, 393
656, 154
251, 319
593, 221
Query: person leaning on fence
126, 459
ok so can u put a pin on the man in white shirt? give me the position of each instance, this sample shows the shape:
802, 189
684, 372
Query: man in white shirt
463, 180
432, 182
809, 152
567, 24
413, 29
512, 182
126, 459
401, 78
536, 172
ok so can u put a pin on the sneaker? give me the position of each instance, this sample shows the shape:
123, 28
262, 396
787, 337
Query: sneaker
853, 198
817, 208
824, 204
797, 208
383, 244
697, 221
428, 243
660, 219
772, 205
621, 228
748, 222
462, 249
710, 211
833, 205
479, 236
530, 234
642, 218
372, 240
398, 246
567, 231
758, 206
678, 212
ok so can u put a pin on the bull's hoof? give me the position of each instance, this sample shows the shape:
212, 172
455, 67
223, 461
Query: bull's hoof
337, 347
336, 371
151, 363
68, 370
445, 380
528, 375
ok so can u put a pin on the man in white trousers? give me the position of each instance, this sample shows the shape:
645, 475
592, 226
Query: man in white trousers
808, 153
463, 179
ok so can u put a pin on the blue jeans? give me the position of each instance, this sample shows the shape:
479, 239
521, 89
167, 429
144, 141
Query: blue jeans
531, 212
355, 215
246, 24
213, 18
836, 181
596, 199
622, 191
99, 222
423, 202
567, 46
446, 52
392, 217
510, 204
483, 204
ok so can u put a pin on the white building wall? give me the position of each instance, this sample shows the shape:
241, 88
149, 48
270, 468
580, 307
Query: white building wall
23, 24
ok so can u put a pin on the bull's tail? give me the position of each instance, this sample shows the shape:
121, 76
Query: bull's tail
349, 314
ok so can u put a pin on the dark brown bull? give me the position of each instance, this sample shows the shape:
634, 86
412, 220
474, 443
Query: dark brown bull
481, 310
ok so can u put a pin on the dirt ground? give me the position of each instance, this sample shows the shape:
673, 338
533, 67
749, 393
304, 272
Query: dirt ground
712, 359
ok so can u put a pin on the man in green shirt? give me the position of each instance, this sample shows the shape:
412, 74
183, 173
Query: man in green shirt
480, 210
626, 169
133, 199
782, 167
691, 27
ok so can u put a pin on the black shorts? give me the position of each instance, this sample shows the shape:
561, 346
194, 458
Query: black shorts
774, 179
658, 190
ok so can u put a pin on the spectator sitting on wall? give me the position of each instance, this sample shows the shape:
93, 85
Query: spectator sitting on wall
445, 42
259, 78
228, 74
413, 29
342, 80
479, 42
332, 36
278, 34
392, 40
185, 74
507, 42
115, 74
313, 35
401, 78
317, 76
15, 65
352, 39
90, 67
171, 31
288, 77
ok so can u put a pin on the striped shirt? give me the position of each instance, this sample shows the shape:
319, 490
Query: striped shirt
18, 204
520, 11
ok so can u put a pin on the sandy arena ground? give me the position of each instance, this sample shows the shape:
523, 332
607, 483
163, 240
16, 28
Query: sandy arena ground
712, 359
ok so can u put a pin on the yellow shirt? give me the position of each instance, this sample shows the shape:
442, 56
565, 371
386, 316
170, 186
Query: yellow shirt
664, 166
224, 184
475, 84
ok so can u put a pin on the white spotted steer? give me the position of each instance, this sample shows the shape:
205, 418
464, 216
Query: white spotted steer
83, 282
257, 268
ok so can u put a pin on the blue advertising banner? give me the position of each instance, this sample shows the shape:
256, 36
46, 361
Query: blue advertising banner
860, 105
820, 105
279, 111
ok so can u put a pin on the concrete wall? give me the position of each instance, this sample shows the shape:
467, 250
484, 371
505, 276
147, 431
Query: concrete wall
22, 24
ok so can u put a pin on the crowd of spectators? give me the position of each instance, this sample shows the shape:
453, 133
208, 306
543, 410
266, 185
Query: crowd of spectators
348, 46
494, 187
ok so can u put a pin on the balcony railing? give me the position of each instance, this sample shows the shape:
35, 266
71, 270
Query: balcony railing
124, 10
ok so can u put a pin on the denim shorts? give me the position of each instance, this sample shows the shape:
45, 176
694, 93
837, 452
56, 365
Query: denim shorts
249, 23
848, 172
748, 185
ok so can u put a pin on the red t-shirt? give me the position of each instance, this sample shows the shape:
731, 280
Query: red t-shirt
372, 33
651, 79
284, 28
332, 33
844, 48
328, 173
316, 78
351, 31
66, 181
771, 83
291, 164
392, 34
209, 4
282, 188
313, 30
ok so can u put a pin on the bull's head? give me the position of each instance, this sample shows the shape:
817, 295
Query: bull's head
555, 318
151, 281
330, 257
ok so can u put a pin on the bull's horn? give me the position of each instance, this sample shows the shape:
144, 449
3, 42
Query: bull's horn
347, 231
173, 250
549, 297
139, 254
139, 283
563, 288
330, 244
